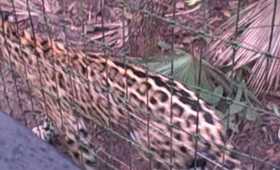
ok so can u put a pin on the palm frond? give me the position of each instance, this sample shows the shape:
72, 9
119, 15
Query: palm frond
254, 34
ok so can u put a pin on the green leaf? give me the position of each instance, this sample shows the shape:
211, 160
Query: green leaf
251, 114
239, 93
215, 97
236, 107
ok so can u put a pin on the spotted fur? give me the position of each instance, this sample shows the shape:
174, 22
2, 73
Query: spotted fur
79, 89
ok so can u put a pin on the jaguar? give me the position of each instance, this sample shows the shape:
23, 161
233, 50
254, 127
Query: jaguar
167, 120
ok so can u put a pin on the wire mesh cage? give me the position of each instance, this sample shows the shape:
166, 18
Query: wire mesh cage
81, 71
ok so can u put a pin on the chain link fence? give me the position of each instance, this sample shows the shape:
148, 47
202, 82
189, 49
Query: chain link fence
126, 28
